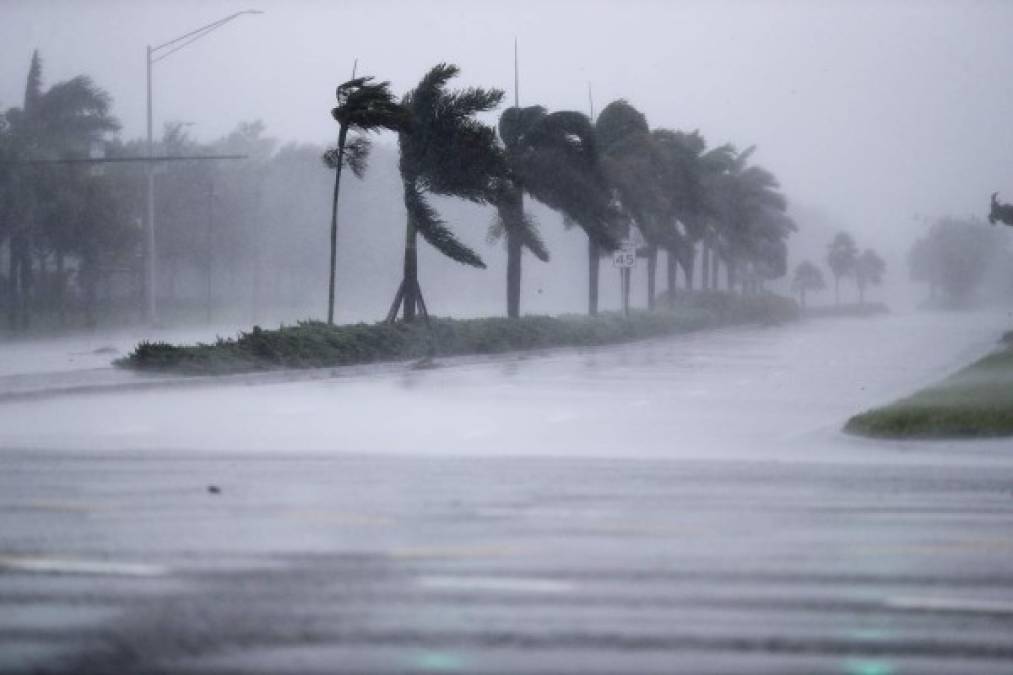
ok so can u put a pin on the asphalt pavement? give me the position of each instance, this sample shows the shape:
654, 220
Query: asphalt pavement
117, 564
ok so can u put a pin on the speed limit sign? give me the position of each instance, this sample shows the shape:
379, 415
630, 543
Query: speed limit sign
624, 256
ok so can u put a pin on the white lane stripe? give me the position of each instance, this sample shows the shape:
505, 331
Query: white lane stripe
936, 604
496, 584
42, 565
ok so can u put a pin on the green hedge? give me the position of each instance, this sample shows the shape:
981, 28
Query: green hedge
313, 344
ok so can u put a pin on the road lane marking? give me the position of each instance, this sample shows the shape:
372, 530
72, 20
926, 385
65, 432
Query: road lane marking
427, 552
936, 604
496, 584
47, 565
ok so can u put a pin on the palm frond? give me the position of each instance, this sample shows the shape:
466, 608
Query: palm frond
434, 230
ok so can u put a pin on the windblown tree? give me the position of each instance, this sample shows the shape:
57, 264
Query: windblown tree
444, 151
807, 277
1000, 213
842, 255
553, 158
753, 223
869, 270
60, 122
958, 256
689, 171
634, 167
365, 106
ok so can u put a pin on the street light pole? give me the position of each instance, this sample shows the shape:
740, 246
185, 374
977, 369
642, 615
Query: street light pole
152, 57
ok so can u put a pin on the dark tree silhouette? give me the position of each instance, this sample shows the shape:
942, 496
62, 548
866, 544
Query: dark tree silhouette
446, 151
841, 257
869, 270
1000, 213
807, 277
62, 121
553, 158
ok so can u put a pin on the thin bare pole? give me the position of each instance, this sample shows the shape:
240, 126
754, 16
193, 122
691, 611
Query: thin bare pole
355, 66
590, 101
517, 79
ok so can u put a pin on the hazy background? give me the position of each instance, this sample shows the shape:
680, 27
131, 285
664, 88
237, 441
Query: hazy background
874, 115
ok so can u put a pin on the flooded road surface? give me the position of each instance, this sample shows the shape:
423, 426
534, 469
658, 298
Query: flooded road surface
684, 505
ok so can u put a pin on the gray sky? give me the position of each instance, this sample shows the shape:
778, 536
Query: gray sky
868, 112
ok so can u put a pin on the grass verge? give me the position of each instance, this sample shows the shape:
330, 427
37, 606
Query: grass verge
313, 344
976, 402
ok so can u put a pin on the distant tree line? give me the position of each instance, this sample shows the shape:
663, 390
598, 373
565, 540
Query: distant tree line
957, 257
866, 269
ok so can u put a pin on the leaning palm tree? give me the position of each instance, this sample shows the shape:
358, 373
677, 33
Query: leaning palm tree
364, 106
553, 158
445, 152
634, 168
753, 216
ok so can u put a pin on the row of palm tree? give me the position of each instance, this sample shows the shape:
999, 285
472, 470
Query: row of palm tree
866, 268
614, 177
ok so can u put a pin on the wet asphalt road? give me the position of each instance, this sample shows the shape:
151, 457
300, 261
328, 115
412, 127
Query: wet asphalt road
685, 505
127, 563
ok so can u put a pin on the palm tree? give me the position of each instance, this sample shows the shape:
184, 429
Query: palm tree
64, 120
807, 277
446, 151
869, 269
753, 221
552, 157
687, 173
841, 257
365, 106
634, 166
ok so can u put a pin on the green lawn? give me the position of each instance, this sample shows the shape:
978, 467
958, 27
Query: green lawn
314, 344
975, 402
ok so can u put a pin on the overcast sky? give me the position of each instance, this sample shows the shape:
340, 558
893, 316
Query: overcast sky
869, 112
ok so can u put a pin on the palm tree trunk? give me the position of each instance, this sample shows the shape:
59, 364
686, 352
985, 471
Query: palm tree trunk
12, 285
514, 251
593, 264
837, 290
511, 212
652, 274
689, 264
672, 266
410, 286
730, 274
61, 288
705, 272
715, 269
21, 276
342, 133
624, 274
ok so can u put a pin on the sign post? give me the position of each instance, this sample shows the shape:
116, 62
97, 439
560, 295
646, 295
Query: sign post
624, 258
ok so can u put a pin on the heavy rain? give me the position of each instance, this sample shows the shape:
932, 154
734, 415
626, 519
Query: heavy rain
506, 337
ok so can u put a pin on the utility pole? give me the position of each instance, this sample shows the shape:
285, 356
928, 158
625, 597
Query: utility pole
154, 55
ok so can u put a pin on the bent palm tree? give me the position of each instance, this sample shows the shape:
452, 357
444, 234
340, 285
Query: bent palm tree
365, 106
634, 167
446, 152
553, 158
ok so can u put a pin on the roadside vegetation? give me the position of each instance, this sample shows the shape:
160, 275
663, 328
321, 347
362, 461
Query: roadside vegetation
974, 402
314, 344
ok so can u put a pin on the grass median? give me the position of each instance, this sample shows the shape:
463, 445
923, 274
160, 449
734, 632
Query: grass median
974, 402
313, 344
